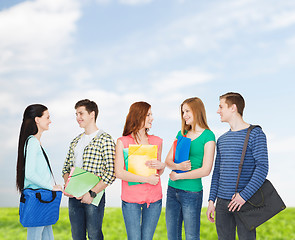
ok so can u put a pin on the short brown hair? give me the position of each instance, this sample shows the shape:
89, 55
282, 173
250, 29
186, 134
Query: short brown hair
136, 118
90, 106
199, 113
234, 98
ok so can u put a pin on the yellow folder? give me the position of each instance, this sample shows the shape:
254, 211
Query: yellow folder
137, 157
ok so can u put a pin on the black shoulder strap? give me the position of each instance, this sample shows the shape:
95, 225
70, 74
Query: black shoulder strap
45, 155
244, 153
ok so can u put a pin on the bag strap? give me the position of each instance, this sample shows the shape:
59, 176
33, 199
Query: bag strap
244, 153
45, 155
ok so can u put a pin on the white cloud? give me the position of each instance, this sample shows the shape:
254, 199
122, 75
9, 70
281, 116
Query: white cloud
291, 41
200, 32
282, 20
134, 2
177, 80
80, 76
103, 2
34, 33
125, 2
278, 145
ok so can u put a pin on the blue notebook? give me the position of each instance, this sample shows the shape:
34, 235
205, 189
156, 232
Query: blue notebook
182, 151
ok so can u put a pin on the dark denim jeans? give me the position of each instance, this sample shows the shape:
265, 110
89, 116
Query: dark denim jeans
141, 221
86, 217
183, 206
227, 223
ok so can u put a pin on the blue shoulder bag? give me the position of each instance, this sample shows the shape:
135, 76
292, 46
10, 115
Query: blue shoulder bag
39, 207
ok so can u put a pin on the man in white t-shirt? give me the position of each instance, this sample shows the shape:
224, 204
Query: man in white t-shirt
94, 151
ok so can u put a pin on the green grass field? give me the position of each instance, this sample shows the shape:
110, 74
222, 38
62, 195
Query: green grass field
281, 227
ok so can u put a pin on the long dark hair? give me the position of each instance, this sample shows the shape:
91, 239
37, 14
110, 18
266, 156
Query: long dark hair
28, 127
136, 118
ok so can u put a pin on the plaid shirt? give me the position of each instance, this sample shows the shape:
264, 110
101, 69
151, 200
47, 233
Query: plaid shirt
98, 157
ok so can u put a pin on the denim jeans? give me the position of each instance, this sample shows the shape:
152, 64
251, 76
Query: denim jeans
86, 217
40, 233
227, 222
141, 221
183, 206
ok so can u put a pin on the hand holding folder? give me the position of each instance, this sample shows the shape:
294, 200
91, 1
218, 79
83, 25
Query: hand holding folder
138, 155
181, 150
150, 152
80, 182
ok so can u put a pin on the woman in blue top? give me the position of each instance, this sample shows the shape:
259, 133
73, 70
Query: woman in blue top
33, 172
185, 190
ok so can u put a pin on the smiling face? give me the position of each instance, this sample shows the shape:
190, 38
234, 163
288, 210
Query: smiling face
149, 119
187, 114
224, 111
43, 121
84, 118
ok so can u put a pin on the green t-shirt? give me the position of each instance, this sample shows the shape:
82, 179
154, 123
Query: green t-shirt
196, 155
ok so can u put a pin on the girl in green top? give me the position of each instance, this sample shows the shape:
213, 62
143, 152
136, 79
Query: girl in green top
185, 190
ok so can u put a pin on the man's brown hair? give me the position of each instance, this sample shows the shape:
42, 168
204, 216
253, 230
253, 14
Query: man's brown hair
90, 106
234, 98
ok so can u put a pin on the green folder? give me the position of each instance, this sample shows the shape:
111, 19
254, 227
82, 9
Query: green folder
80, 182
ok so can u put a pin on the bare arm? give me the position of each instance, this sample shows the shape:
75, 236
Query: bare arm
66, 176
161, 166
157, 164
205, 170
184, 166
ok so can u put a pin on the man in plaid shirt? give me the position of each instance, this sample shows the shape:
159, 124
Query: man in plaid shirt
94, 151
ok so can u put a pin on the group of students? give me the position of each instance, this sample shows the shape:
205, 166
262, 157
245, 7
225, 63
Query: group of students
95, 151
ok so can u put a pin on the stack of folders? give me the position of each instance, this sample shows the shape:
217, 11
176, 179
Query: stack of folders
136, 156
80, 182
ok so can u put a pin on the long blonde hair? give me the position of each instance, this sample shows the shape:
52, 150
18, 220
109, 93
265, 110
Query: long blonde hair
199, 113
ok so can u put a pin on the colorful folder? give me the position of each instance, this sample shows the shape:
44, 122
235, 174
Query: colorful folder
80, 182
125, 152
137, 157
181, 150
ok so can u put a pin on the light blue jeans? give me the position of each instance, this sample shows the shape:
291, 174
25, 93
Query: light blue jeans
183, 206
40, 233
141, 221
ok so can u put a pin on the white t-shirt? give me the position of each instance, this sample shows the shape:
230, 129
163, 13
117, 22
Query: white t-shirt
79, 149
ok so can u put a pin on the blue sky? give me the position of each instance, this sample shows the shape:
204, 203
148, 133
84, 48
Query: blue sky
116, 52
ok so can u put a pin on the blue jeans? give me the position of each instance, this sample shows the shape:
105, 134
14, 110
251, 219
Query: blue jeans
227, 222
141, 221
40, 233
183, 206
86, 217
